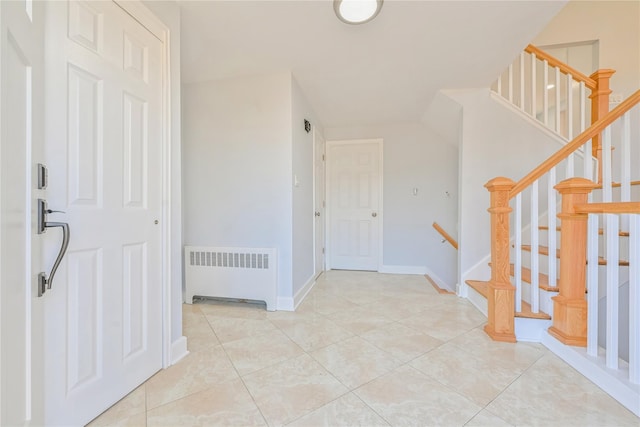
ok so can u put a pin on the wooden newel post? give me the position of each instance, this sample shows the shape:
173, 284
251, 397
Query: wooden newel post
500, 300
570, 305
599, 108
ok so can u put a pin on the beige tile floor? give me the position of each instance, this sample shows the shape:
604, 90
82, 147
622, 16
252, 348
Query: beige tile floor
363, 349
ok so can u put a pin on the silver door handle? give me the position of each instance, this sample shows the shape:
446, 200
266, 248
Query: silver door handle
317, 213
374, 214
45, 282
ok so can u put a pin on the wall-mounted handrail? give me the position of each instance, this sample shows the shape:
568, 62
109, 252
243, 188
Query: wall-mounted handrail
564, 68
446, 235
577, 142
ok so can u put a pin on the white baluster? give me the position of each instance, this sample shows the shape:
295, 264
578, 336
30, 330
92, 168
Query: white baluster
545, 93
583, 107
557, 99
607, 192
634, 299
592, 286
570, 166
552, 222
625, 180
535, 257
511, 83
518, 253
570, 159
569, 107
611, 236
587, 161
533, 87
521, 105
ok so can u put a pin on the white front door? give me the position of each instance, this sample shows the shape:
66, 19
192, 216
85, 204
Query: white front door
354, 200
319, 200
21, 127
103, 315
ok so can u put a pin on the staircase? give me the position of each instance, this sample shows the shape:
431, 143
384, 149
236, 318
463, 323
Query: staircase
549, 277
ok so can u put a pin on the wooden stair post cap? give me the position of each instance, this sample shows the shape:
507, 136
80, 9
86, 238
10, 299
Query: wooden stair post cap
575, 186
500, 183
601, 77
603, 72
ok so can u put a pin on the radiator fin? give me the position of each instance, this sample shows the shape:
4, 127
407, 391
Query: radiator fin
229, 259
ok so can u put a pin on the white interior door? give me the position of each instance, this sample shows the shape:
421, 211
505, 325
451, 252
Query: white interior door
103, 315
354, 199
21, 127
319, 200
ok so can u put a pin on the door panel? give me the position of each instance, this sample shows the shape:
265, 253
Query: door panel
104, 314
84, 141
354, 200
84, 313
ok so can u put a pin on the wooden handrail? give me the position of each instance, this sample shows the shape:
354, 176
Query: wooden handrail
609, 208
579, 141
564, 68
446, 235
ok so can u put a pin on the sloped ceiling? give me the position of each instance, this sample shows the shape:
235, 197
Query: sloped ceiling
385, 71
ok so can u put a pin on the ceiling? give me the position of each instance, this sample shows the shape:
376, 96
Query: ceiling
384, 71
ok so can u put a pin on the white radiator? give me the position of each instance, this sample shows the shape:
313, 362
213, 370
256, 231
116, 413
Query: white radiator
239, 273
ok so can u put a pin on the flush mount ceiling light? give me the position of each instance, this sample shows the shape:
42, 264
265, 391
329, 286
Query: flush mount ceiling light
357, 11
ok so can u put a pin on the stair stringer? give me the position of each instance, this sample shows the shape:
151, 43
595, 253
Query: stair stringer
494, 141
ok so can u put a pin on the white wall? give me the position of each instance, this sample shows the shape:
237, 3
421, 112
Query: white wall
414, 157
616, 27
237, 176
303, 209
615, 24
169, 13
495, 141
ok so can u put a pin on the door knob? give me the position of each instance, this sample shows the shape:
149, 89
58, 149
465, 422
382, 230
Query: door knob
45, 282
374, 214
317, 213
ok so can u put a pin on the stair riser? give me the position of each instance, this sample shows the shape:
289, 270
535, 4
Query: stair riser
531, 330
546, 304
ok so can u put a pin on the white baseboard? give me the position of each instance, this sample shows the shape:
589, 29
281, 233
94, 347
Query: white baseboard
304, 291
403, 269
178, 349
558, 139
285, 304
615, 383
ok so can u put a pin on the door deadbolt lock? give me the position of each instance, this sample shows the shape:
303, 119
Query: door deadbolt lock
374, 214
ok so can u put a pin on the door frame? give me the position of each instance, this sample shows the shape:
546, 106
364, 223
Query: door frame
380, 222
151, 22
323, 218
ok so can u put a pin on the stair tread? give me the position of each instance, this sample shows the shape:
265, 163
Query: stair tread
543, 279
616, 184
527, 313
543, 250
479, 285
600, 231
482, 287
